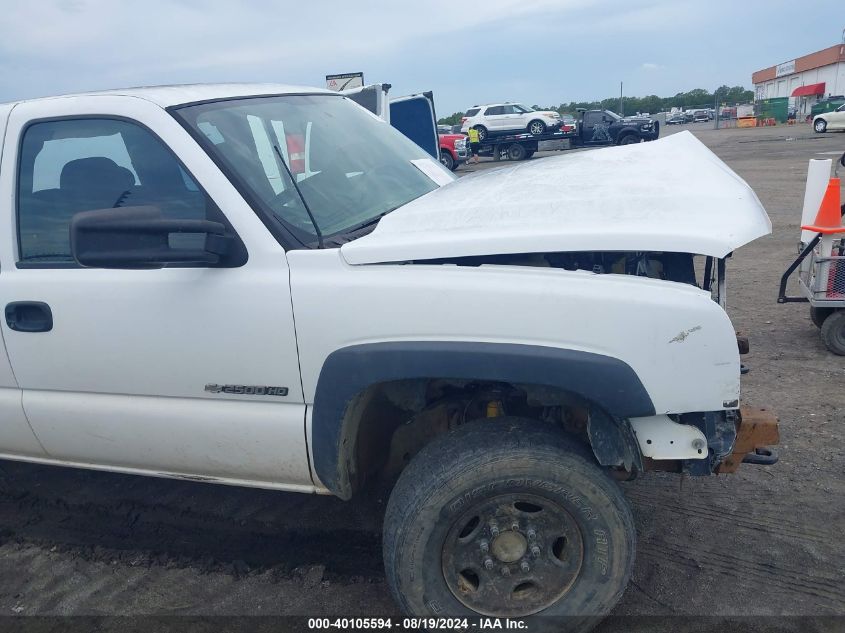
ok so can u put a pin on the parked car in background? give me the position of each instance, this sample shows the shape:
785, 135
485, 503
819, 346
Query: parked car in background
701, 116
453, 149
508, 117
676, 118
830, 120
444, 129
827, 105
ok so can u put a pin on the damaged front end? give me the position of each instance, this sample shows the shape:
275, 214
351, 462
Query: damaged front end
712, 442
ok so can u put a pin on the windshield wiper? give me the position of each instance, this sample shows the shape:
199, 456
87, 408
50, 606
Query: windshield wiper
350, 234
301, 197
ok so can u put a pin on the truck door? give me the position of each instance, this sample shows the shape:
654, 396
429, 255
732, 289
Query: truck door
16, 436
414, 116
595, 128
182, 370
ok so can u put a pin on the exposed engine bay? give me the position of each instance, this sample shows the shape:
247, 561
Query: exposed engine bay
678, 267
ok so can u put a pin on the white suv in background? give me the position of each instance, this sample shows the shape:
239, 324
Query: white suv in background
508, 117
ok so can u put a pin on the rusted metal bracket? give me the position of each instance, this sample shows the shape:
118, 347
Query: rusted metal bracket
756, 429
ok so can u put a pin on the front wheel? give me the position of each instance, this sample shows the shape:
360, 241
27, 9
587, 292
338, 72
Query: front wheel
447, 160
508, 518
482, 133
536, 128
833, 332
629, 139
820, 126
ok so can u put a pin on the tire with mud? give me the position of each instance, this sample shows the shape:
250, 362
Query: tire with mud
833, 332
508, 518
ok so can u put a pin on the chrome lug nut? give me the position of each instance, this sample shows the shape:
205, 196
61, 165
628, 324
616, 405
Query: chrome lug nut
531, 534
488, 563
535, 551
515, 526
494, 530
506, 571
525, 567
484, 546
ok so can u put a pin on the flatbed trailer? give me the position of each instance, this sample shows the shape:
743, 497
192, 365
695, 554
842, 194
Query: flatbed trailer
522, 146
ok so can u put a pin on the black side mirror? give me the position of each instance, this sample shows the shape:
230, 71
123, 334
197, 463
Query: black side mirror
139, 237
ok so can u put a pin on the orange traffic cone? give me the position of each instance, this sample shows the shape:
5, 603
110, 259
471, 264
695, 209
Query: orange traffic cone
829, 218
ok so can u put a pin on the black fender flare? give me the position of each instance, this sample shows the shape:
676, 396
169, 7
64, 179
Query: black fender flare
627, 131
346, 372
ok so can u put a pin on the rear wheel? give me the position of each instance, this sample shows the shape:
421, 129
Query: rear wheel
508, 518
820, 126
482, 133
833, 332
536, 127
447, 159
516, 152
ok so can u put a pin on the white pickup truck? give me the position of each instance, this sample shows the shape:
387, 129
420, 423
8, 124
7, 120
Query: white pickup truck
265, 285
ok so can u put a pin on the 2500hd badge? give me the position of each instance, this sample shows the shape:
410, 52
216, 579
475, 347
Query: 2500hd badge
248, 390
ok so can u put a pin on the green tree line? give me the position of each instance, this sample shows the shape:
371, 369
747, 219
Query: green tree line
697, 98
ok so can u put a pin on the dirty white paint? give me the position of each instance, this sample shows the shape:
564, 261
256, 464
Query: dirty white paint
621, 316
660, 437
668, 195
682, 336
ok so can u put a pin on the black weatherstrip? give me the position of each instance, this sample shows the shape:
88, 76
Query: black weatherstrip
608, 382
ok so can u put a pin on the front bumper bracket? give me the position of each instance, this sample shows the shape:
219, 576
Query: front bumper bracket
757, 429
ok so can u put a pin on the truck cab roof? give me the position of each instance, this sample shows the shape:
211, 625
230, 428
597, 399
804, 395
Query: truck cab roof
180, 94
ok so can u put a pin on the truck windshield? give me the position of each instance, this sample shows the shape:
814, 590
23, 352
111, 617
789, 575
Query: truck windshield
350, 166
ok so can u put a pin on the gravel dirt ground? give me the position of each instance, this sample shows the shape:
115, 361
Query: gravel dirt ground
766, 541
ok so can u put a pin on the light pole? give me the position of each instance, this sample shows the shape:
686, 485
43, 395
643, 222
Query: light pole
716, 109
621, 104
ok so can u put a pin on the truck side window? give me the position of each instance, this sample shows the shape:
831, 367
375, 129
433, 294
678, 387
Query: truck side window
75, 165
591, 118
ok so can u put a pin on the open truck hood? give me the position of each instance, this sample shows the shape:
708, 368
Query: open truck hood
671, 195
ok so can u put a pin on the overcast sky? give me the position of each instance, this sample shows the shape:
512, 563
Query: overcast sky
534, 51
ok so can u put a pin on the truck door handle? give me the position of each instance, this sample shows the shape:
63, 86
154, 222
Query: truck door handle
29, 316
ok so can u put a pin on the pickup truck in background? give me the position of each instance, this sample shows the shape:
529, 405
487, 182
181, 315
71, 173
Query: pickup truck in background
603, 127
453, 150
267, 285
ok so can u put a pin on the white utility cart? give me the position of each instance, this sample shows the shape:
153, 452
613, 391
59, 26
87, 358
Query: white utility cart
821, 260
